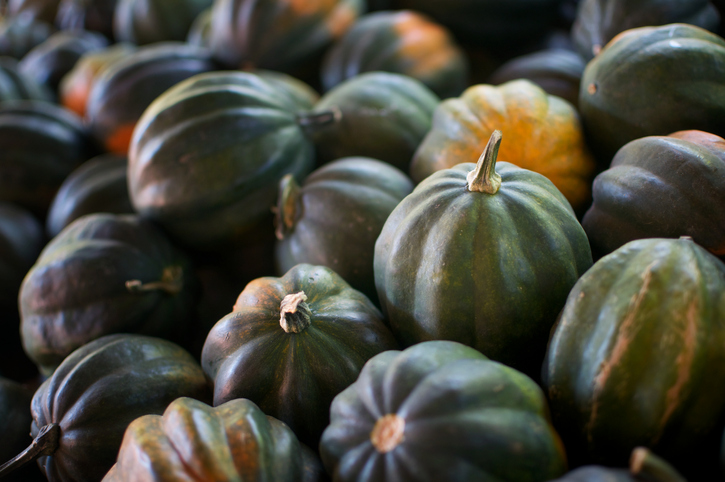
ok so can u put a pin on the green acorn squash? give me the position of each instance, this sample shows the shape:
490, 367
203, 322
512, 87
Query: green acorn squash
144, 22
233, 442
44, 10
636, 358
104, 274
481, 254
20, 33
440, 411
17, 86
291, 344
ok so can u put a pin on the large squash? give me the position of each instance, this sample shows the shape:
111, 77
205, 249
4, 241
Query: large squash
440, 411
233, 442
104, 274
481, 254
543, 134
292, 343
637, 357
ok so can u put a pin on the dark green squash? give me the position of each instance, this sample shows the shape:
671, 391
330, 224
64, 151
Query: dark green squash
50, 61
599, 21
97, 186
276, 34
651, 81
377, 114
440, 411
207, 156
403, 42
104, 274
636, 358
661, 187
21, 240
81, 412
19, 34
292, 343
17, 86
127, 87
93, 15
234, 441
44, 10
41, 144
334, 218
481, 254
143, 22
200, 29
557, 71
644, 466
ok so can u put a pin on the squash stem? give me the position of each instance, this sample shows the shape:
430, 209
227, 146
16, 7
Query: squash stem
294, 313
311, 122
288, 208
45, 443
172, 281
649, 468
484, 177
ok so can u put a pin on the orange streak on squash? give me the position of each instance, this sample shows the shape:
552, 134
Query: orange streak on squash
426, 44
340, 20
119, 141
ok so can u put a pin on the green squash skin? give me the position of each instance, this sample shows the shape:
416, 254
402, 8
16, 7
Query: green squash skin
489, 271
659, 187
684, 65
98, 185
466, 419
17, 86
338, 214
380, 115
19, 34
200, 29
294, 376
41, 144
100, 389
124, 90
299, 92
44, 10
636, 358
207, 156
232, 442
21, 240
77, 292
144, 22
599, 21
395, 42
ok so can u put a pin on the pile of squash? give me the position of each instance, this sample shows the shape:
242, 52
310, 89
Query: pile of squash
393, 240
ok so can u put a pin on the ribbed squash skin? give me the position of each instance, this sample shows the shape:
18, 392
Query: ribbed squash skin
653, 81
379, 114
277, 34
403, 42
661, 187
637, 360
121, 94
556, 70
491, 271
294, 376
19, 34
77, 290
543, 133
41, 144
233, 442
147, 21
99, 390
334, 218
17, 86
599, 21
50, 61
97, 186
207, 156
21, 240
466, 418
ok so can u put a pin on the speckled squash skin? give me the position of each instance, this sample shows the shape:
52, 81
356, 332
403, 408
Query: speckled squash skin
193, 128
683, 64
599, 21
377, 114
234, 442
121, 94
334, 218
490, 270
404, 42
104, 274
144, 22
98, 186
636, 358
99, 390
543, 134
457, 417
661, 187
277, 34
294, 373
